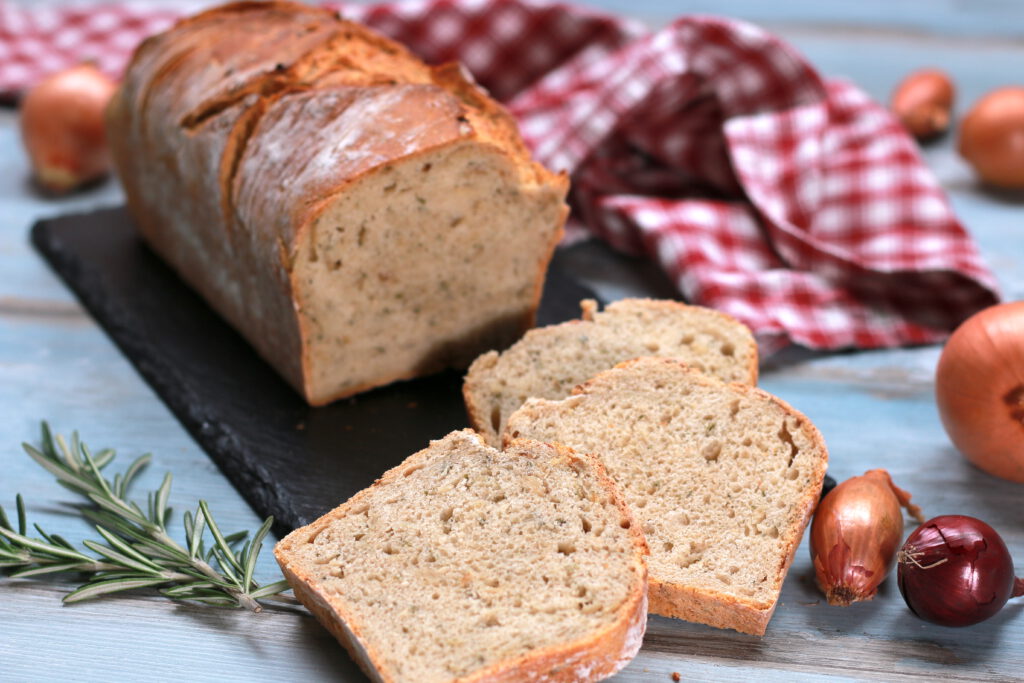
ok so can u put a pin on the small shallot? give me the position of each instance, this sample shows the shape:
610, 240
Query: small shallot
62, 126
856, 531
923, 102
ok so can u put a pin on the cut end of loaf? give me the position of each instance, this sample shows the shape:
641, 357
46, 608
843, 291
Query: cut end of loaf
722, 477
465, 562
395, 280
549, 362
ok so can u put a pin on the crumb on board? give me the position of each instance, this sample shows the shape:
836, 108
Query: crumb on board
676, 676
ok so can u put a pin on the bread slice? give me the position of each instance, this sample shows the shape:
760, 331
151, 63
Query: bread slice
334, 198
722, 478
467, 563
549, 361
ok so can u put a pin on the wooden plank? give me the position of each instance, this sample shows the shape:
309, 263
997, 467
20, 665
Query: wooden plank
875, 409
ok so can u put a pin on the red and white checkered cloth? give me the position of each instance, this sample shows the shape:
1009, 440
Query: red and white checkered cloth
796, 204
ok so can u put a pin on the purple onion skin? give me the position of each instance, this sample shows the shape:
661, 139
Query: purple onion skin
972, 584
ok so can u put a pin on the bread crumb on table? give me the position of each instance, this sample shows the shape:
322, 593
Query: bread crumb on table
676, 676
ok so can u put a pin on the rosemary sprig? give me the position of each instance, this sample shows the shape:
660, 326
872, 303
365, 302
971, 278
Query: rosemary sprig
136, 550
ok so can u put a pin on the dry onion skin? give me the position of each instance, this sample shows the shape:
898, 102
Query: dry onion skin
955, 570
856, 531
923, 102
992, 138
62, 127
979, 388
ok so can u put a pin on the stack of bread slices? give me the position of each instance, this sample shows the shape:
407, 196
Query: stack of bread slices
642, 471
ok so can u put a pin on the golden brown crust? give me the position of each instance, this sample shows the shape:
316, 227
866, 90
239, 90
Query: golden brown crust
195, 98
597, 656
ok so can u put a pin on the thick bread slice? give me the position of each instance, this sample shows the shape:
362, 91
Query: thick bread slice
722, 477
471, 564
549, 361
333, 197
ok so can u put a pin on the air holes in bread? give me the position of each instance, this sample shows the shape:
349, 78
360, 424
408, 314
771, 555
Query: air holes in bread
566, 548
711, 450
788, 438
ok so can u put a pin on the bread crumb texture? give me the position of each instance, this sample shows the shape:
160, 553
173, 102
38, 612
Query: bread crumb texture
549, 362
722, 478
465, 560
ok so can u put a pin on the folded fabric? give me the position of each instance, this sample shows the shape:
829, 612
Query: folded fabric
795, 203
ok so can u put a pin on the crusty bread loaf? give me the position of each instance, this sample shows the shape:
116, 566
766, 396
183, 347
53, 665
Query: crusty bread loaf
472, 564
335, 199
549, 361
722, 477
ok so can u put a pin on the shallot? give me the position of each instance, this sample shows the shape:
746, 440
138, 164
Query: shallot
923, 101
854, 536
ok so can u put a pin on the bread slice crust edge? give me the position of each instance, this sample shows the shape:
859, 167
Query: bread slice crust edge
593, 657
705, 605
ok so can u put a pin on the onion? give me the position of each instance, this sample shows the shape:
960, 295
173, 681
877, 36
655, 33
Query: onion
62, 126
923, 101
992, 138
979, 388
956, 571
854, 536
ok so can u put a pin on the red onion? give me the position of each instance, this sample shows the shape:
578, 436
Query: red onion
955, 570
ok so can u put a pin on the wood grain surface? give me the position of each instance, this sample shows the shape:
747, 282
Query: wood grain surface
875, 409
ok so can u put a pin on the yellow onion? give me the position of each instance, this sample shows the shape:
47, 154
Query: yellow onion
62, 126
992, 138
979, 388
856, 532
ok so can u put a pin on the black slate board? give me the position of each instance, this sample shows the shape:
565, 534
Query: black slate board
287, 459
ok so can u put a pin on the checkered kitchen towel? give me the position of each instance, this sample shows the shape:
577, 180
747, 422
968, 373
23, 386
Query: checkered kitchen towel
795, 203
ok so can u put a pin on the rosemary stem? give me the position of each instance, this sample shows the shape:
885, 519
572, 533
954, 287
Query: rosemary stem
202, 566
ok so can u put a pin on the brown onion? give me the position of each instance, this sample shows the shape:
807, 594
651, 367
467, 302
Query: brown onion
923, 101
992, 138
979, 388
62, 126
856, 531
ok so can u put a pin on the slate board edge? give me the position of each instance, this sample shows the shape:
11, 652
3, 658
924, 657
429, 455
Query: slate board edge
215, 436
210, 434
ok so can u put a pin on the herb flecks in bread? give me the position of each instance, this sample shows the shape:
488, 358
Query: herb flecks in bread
549, 361
465, 562
334, 198
722, 477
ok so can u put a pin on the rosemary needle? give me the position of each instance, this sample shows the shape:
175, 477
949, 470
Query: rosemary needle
135, 550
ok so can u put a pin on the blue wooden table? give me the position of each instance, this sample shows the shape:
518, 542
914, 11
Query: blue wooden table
875, 409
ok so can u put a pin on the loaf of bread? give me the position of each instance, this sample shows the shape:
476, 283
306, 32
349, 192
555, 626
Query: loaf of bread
722, 478
548, 362
358, 216
471, 564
